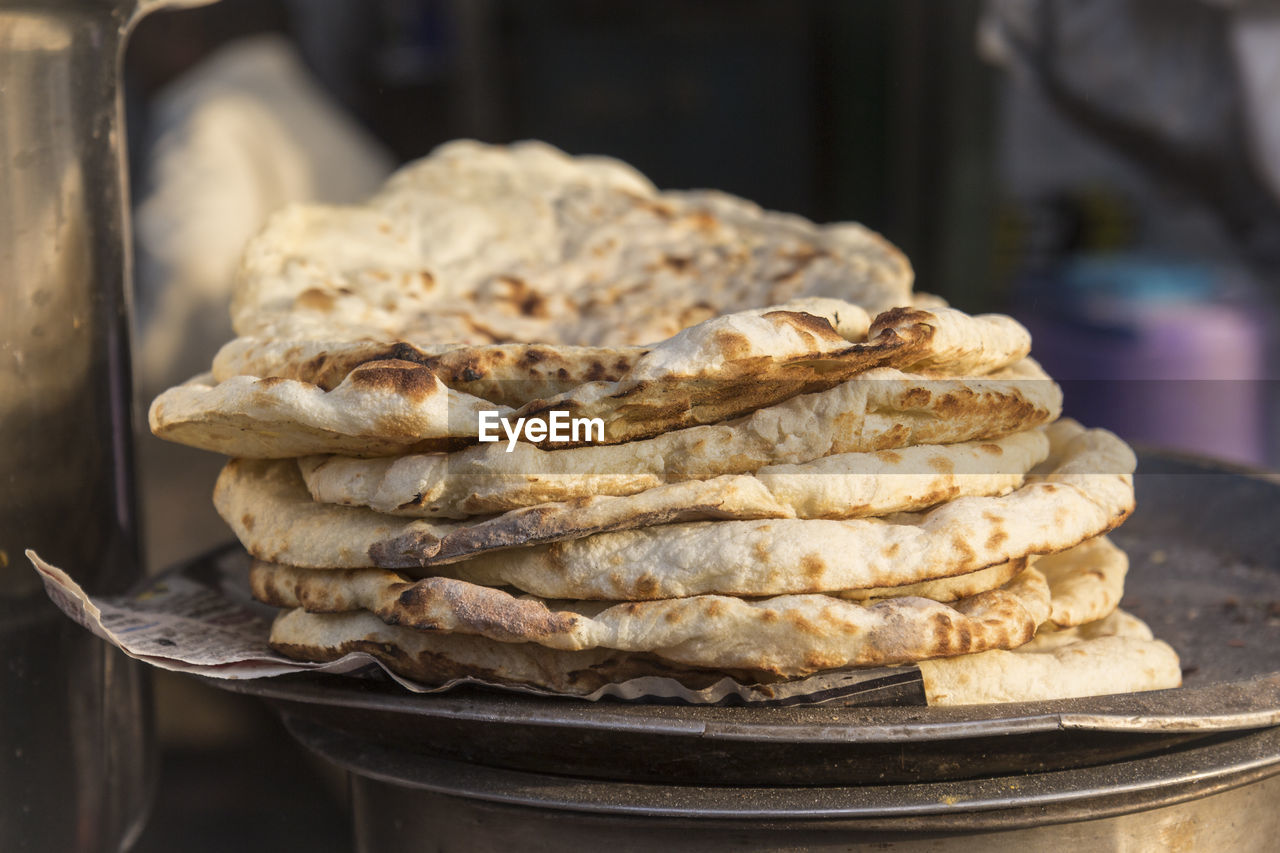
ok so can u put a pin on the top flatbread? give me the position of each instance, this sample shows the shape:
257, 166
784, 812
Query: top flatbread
512, 374
486, 244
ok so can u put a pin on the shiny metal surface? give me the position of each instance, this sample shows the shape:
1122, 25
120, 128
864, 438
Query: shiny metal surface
1031, 799
74, 749
391, 818
1218, 796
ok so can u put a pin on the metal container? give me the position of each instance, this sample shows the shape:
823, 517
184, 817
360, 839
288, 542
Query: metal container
75, 751
1215, 797
1197, 768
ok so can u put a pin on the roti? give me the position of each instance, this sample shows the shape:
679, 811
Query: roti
737, 363
717, 370
883, 410
1085, 490
1087, 582
383, 407
481, 244
1114, 655
784, 635
846, 485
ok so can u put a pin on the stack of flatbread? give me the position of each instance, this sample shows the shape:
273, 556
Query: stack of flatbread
798, 465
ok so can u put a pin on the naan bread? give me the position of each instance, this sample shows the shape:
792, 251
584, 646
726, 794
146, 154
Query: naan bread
382, 407
483, 244
716, 370
737, 363
846, 485
883, 410
510, 374
873, 460
1086, 490
436, 658
1087, 582
1116, 655
517, 373
1117, 623
945, 589
784, 635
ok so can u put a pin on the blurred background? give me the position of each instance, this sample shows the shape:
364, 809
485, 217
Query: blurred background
1108, 171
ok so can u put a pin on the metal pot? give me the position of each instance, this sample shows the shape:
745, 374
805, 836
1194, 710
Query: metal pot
1218, 796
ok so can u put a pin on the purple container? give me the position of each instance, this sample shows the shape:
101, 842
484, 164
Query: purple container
1156, 352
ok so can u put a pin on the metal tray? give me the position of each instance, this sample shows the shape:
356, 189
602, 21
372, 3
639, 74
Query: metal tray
1205, 574
999, 803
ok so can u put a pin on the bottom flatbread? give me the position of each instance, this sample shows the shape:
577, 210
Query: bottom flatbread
432, 657
1113, 655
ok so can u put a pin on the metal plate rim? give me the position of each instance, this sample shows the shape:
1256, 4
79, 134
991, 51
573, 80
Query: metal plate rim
1148, 782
